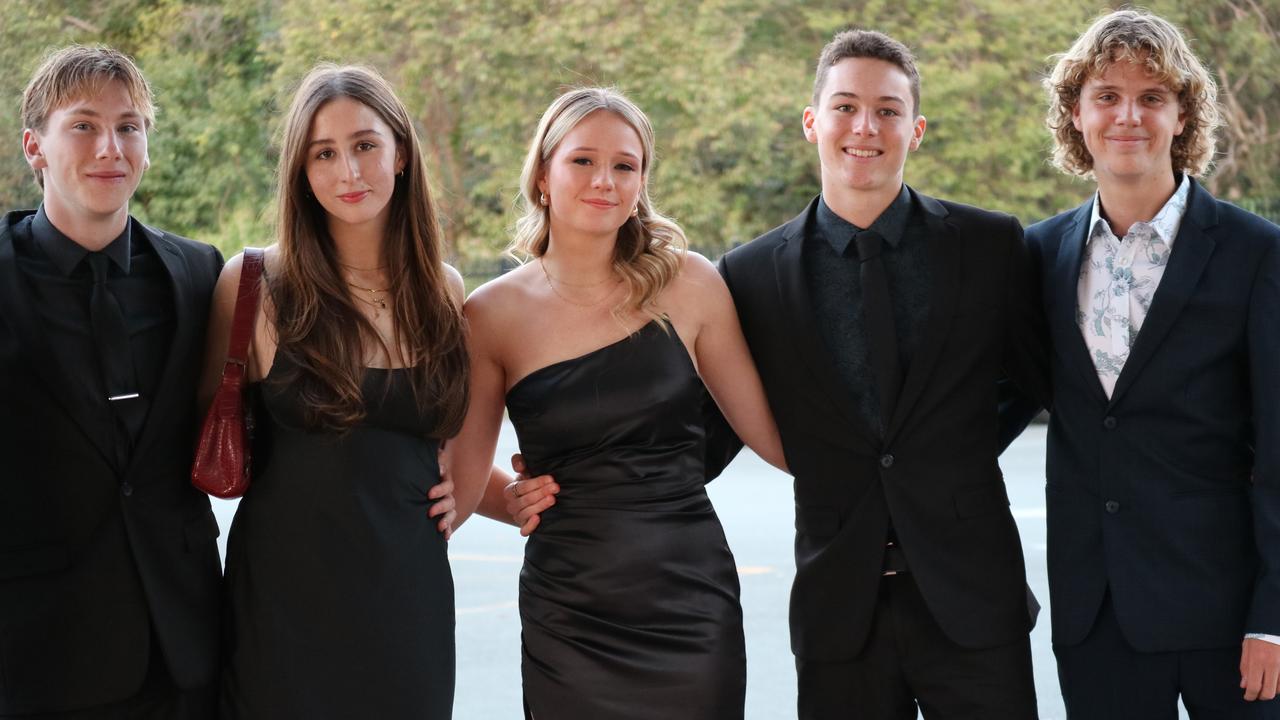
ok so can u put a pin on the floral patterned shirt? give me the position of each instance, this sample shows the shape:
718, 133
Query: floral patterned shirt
1118, 279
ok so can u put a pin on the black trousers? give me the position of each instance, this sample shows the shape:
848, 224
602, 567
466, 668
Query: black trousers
157, 699
908, 662
1104, 678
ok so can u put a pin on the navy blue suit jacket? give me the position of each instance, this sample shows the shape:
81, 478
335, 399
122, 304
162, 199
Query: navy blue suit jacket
1168, 493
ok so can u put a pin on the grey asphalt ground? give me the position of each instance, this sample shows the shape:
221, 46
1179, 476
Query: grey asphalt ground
755, 505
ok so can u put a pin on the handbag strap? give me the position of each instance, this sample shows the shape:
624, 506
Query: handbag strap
246, 307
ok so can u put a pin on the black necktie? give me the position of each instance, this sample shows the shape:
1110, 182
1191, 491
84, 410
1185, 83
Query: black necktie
877, 317
115, 358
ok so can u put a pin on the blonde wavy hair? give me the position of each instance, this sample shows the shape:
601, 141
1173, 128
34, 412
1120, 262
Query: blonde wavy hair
650, 246
1139, 37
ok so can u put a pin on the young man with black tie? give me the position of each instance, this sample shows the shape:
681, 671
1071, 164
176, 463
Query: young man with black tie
881, 320
1164, 443
109, 567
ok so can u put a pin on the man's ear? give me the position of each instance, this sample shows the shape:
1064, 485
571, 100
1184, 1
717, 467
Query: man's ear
807, 119
917, 133
33, 150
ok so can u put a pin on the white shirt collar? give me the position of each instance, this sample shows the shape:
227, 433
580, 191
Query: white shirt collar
1165, 224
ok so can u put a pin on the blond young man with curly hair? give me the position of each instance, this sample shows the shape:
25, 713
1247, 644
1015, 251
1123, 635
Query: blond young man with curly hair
1163, 466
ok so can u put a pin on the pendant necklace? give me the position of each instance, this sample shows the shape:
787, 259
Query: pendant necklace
378, 303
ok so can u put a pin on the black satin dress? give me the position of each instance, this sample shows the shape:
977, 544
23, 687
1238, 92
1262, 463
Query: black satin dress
340, 595
629, 594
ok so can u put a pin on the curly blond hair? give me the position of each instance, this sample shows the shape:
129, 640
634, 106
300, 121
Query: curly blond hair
650, 246
1155, 43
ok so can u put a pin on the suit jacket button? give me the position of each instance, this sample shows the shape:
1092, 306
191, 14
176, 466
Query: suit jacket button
1109, 423
886, 461
1113, 507
126, 489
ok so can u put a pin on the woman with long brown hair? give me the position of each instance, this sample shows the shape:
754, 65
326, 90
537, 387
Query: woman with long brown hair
600, 347
339, 590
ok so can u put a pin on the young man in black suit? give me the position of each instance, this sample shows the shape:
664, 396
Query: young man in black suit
881, 321
1164, 443
109, 568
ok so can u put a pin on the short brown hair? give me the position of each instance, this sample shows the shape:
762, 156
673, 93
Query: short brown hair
1155, 43
867, 44
76, 71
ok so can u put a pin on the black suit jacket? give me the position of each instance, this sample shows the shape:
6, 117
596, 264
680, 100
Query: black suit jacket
935, 473
91, 558
1169, 492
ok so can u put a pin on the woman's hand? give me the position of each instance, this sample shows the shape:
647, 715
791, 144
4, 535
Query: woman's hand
444, 507
527, 498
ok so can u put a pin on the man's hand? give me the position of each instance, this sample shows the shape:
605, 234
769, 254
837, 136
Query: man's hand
1259, 669
528, 497
444, 506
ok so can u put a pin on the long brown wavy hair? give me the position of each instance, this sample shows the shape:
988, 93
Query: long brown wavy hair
320, 327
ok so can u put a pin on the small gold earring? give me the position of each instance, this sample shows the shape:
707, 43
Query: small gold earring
542, 199
635, 211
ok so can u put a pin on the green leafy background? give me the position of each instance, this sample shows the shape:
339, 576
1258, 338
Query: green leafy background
724, 82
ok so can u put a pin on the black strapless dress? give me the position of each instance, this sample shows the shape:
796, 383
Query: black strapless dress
629, 594
340, 596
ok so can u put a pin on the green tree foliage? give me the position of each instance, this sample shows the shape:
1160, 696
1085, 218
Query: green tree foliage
724, 82
26, 28
1240, 40
214, 166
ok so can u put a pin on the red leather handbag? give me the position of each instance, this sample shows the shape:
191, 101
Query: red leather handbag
222, 462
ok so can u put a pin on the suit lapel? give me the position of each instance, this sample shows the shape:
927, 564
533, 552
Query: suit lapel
83, 409
167, 392
793, 290
1187, 261
1066, 300
944, 254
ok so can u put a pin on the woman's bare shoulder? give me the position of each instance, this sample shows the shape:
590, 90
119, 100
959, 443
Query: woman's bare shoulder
501, 300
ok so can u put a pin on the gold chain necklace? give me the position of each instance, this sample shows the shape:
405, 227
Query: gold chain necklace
551, 285
356, 267
378, 303
597, 283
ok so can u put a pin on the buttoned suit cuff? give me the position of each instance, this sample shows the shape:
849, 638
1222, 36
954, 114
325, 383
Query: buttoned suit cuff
1273, 639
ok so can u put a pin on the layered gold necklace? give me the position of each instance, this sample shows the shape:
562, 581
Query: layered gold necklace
377, 298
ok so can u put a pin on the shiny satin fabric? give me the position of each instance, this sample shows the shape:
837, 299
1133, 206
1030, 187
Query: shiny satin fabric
340, 596
629, 593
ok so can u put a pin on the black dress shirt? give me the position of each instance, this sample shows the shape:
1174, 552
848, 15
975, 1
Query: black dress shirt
835, 286
61, 282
